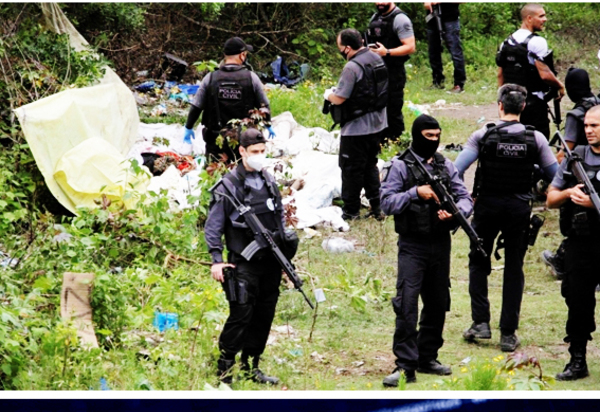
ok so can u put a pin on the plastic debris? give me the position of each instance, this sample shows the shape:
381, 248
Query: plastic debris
146, 86
337, 245
165, 320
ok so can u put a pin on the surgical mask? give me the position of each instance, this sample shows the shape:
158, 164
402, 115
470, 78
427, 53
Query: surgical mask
257, 162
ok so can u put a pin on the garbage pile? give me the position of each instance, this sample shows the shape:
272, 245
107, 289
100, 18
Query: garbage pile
303, 159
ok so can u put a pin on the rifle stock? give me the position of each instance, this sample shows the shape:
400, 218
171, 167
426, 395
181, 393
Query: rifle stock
447, 203
575, 167
262, 239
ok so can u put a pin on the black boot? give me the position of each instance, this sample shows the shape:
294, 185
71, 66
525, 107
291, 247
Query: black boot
577, 367
255, 374
224, 367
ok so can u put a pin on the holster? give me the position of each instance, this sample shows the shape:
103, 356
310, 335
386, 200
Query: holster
236, 289
229, 284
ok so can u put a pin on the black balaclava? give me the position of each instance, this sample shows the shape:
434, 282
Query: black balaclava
420, 144
577, 84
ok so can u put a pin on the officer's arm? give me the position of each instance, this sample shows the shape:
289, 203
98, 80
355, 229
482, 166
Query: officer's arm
215, 228
548, 77
500, 77
459, 190
261, 99
335, 99
198, 103
465, 159
408, 47
556, 197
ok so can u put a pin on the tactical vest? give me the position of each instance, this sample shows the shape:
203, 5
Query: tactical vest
230, 96
579, 112
370, 94
516, 69
577, 220
265, 203
506, 161
420, 218
381, 29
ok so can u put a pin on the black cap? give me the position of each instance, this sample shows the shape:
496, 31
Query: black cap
250, 137
235, 46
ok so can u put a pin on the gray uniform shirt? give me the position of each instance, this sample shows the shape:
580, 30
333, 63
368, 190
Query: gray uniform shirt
396, 196
403, 27
200, 99
589, 157
545, 156
369, 123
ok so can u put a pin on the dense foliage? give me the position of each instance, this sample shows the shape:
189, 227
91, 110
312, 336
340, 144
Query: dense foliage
150, 258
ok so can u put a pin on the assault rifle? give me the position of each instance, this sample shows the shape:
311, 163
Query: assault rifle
575, 168
556, 117
436, 13
447, 203
262, 237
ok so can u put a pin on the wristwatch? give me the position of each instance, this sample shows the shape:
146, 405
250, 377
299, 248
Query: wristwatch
387, 53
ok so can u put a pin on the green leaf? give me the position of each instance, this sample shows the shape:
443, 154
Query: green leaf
42, 283
152, 279
6, 369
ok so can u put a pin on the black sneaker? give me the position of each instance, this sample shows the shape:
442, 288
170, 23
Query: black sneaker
478, 331
550, 260
509, 343
391, 381
433, 367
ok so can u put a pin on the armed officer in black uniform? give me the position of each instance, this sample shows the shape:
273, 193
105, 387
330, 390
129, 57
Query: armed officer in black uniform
423, 250
507, 152
524, 59
227, 93
577, 83
581, 223
247, 328
391, 36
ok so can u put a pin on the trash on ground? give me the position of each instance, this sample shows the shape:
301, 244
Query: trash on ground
165, 320
337, 245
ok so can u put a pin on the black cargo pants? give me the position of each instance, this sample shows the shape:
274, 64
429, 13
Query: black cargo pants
495, 214
248, 325
423, 270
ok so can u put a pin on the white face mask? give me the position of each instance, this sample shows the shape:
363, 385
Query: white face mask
257, 162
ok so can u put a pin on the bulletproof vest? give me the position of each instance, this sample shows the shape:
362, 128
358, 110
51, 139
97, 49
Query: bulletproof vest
381, 29
516, 69
371, 92
506, 161
579, 112
578, 220
231, 96
420, 217
265, 203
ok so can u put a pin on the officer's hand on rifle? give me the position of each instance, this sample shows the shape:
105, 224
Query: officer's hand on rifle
425, 192
216, 270
443, 215
189, 135
561, 94
429, 7
579, 198
328, 93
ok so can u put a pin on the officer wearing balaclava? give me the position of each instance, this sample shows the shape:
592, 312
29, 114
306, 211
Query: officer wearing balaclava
578, 88
423, 250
